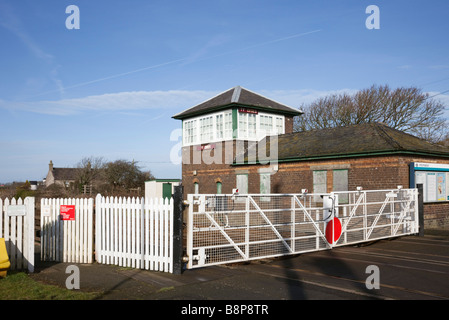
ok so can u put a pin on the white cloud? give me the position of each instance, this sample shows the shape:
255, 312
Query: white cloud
122, 101
177, 100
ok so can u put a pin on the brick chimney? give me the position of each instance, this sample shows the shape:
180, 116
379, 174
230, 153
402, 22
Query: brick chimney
50, 166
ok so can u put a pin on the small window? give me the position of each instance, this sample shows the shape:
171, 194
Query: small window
219, 187
242, 183
196, 188
319, 183
265, 186
340, 183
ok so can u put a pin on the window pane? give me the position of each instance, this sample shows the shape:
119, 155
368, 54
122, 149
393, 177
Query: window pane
340, 183
319, 183
196, 188
265, 186
242, 183
218, 187
228, 125
266, 124
219, 125
243, 125
279, 125
251, 125
206, 132
190, 132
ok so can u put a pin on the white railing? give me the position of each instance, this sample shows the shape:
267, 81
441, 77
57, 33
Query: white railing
135, 232
17, 228
234, 228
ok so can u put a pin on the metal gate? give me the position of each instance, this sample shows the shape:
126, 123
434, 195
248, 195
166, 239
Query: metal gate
235, 228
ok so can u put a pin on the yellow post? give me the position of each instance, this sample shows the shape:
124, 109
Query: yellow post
4, 259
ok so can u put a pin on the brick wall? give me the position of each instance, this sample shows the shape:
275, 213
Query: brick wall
371, 173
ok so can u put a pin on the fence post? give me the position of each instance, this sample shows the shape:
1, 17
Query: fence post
420, 209
177, 229
30, 220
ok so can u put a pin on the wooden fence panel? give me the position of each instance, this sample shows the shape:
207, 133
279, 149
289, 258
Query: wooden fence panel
135, 232
67, 240
17, 227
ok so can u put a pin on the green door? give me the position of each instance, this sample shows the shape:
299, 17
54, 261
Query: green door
166, 190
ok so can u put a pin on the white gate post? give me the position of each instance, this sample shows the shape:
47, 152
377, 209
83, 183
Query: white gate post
98, 206
29, 246
190, 231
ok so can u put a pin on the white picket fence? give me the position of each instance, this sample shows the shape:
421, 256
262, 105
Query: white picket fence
65, 240
135, 232
17, 227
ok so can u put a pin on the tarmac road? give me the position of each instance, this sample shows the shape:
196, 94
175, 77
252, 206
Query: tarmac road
407, 268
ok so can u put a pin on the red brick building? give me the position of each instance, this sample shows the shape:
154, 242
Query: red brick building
242, 140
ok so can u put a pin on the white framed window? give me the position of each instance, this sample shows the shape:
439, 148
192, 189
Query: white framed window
190, 132
252, 125
279, 125
247, 125
228, 125
206, 129
243, 125
266, 124
219, 126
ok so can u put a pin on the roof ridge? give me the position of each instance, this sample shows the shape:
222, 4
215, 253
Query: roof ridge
236, 95
217, 95
265, 97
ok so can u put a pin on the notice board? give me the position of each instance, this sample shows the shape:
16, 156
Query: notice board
435, 180
67, 212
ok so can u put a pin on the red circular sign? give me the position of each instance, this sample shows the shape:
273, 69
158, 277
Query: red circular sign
333, 227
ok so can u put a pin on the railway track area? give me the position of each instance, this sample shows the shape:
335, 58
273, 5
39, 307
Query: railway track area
403, 268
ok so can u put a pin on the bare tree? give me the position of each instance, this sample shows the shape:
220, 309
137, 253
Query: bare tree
126, 175
90, 170
406, 109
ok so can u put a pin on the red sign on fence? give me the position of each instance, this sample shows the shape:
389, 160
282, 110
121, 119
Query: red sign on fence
67, 212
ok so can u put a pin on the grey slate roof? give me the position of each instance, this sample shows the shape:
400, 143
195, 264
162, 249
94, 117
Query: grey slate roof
357, 140
238, 97
65, 173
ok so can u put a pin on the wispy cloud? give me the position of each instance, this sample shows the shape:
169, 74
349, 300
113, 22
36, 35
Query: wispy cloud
199, 55
129, 102
10, 21
439, 67
120, 102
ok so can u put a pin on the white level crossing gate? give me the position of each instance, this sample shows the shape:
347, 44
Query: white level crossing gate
129, 232
234, 228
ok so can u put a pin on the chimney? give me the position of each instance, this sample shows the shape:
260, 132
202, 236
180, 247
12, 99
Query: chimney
50, 166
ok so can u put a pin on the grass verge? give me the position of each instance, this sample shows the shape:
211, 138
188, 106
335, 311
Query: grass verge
20, 286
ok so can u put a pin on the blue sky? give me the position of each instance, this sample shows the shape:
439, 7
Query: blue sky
110, 88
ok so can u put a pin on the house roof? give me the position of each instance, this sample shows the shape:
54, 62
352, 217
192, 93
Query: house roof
237, 97
344, 142
65, 173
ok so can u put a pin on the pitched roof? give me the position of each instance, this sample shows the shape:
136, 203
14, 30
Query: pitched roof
237, 96
65, 173
357, 140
